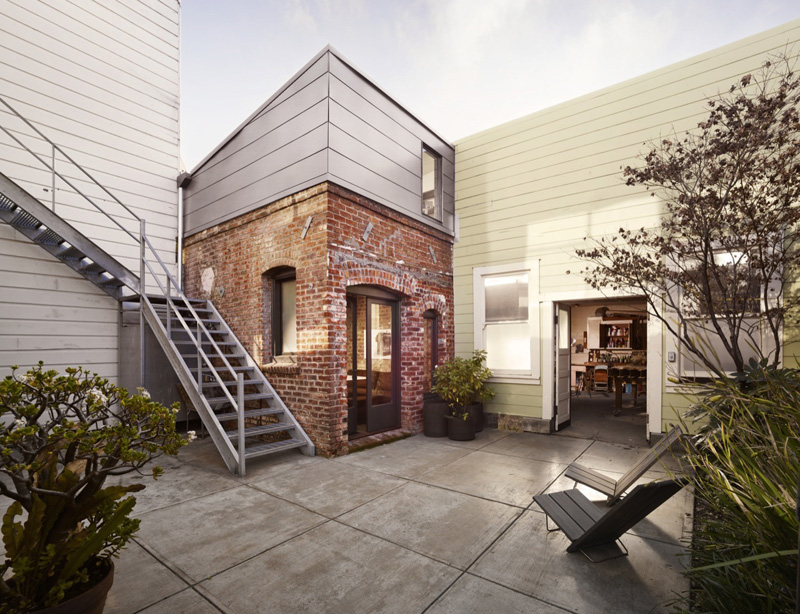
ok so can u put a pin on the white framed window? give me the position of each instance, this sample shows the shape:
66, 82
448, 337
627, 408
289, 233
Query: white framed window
506, 304
733, 288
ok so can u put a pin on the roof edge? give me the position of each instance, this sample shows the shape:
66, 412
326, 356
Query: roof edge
261, 107
333, 51
394, 99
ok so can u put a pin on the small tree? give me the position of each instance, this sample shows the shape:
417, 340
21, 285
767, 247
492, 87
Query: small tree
725, 253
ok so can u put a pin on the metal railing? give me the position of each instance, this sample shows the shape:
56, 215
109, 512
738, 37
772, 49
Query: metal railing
200, 336
171, 294
52, 168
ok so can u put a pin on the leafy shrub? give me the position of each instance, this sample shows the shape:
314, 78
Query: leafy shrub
61, 436
462, 381
745, 461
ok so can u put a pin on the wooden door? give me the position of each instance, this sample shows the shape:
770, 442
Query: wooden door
563, 368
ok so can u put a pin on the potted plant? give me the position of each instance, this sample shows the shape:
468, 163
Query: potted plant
482, 392
435, 410
61, 436
460, 382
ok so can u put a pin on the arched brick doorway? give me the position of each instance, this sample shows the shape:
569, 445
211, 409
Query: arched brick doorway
373, 360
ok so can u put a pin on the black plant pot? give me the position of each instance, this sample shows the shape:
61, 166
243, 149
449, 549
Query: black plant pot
476, 411
459, 429
434, 412
91, 601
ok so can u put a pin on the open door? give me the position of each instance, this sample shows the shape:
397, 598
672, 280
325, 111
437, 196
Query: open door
563, 368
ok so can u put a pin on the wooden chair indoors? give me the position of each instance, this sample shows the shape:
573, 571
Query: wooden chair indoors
601, 378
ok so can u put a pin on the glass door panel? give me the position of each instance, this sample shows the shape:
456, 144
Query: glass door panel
381, 412
372, 360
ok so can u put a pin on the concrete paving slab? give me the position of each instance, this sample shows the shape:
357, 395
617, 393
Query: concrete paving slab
540, 447
139, 581
408, 458
486, 437
331, 569
448, 526
613, 458
529, 559
473, 595
179, 482
329, 488
203, 454
507, 479
209, 534
185, 602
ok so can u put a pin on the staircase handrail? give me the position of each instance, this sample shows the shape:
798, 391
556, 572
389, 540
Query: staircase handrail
62, 177
167, 294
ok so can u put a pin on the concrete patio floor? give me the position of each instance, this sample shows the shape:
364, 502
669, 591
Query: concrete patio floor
418, 525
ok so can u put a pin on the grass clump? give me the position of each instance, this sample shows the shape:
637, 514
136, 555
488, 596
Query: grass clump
745, 464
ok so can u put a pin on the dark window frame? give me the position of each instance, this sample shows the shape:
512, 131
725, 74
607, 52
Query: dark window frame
437, 183
278, 279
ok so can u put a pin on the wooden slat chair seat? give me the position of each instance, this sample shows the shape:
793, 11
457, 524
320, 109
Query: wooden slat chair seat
614, 489
593, 531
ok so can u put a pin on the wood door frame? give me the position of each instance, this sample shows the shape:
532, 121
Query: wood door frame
655, 341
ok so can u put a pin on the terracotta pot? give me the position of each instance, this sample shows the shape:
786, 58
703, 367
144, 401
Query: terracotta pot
476, 411
434, 412
460, 430
90, 602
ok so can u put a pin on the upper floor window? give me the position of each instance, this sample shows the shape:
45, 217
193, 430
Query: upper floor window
431, 184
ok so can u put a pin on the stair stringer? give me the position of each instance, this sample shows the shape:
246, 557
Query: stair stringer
37, 212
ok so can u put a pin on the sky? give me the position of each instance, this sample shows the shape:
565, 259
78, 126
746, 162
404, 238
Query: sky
460, 66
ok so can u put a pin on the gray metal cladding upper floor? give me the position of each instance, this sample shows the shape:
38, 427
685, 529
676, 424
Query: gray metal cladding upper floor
327, 123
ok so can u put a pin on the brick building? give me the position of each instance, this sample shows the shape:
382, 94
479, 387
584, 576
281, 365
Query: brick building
323, 230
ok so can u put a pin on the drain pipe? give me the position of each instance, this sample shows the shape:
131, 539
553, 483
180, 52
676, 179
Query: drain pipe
183, 180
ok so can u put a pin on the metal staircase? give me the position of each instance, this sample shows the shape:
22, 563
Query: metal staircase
241, 411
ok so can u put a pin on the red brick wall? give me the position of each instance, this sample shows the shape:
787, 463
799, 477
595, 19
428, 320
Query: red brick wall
331, 257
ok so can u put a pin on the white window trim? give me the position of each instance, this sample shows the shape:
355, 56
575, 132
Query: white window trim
674, 369
534, 322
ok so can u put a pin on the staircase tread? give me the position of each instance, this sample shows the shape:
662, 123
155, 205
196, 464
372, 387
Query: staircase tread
251, 413
262, 429
205, 342
247, 397
235, 367
233, 382
270, 448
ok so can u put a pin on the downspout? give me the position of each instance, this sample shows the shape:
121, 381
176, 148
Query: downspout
183, 180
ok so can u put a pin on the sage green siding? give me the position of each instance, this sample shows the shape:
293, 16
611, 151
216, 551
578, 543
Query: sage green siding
533, 188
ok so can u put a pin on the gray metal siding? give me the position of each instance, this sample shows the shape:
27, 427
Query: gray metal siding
327, 123
364, 121
280, 148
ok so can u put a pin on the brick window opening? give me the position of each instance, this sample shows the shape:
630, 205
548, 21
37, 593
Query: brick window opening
281, 316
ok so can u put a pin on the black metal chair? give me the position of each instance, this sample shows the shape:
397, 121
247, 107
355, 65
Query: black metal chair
588, 527
615, 488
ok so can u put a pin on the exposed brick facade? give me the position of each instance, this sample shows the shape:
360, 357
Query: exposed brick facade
332, 256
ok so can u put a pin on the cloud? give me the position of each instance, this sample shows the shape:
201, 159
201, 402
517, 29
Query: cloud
298, 15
